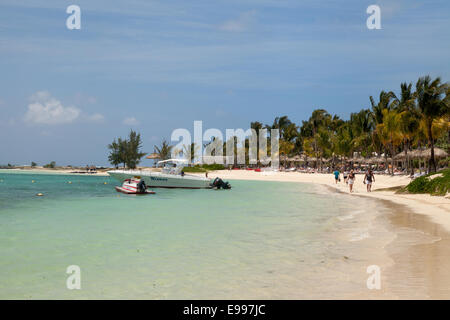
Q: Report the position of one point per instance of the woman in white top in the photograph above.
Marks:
(351, 180)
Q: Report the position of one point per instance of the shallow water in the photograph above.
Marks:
(257, 240)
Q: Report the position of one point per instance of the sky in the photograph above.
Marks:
(155, 66)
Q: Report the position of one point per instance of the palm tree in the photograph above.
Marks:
(409, 117)
(432, 105)
(319, 118)
(323, 139)
(362, 126)
(389, 132)
(385, 102)
(164, 151)
(343, 143)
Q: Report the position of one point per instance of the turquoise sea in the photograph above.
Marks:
(257, 240)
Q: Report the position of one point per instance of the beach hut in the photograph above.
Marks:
(424, 155)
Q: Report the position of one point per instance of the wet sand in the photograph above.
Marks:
(420, 253)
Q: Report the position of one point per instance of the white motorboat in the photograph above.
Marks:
(171, 176)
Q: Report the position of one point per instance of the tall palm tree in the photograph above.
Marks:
(409, 117)
(385, 102)
(432, 105)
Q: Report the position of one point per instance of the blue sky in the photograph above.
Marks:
(155, 66)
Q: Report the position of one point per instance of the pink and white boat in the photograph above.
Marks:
(134, 186)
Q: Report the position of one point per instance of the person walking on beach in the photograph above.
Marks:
(369, 178)
(351, 180)
(345, 174)
(336, 175)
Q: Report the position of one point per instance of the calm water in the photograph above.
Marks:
(257, 240)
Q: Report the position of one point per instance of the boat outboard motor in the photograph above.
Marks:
(141, 186)
(220, 184)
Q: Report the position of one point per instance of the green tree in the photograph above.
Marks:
(116, 154)
(389, 131)
(50, 165)
(132, 148)
(126, 151)
(433, 103)
(409, 117)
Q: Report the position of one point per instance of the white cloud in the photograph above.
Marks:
(45, 109)
(96, 117)
(131, 121)
(240, 24)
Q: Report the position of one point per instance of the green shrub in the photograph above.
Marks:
(204, 168)
(194, 169)
(213, 167)
(435, 186)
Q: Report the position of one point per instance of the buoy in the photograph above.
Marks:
(40, 194)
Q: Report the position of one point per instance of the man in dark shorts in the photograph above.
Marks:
(369, 178)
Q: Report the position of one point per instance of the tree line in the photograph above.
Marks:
(416, 117)
(394, 123)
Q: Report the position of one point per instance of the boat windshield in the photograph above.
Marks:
(172, 166)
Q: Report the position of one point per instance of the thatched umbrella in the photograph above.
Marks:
(375, 160)
(358, 159)
(438, 153)
(400, 156)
